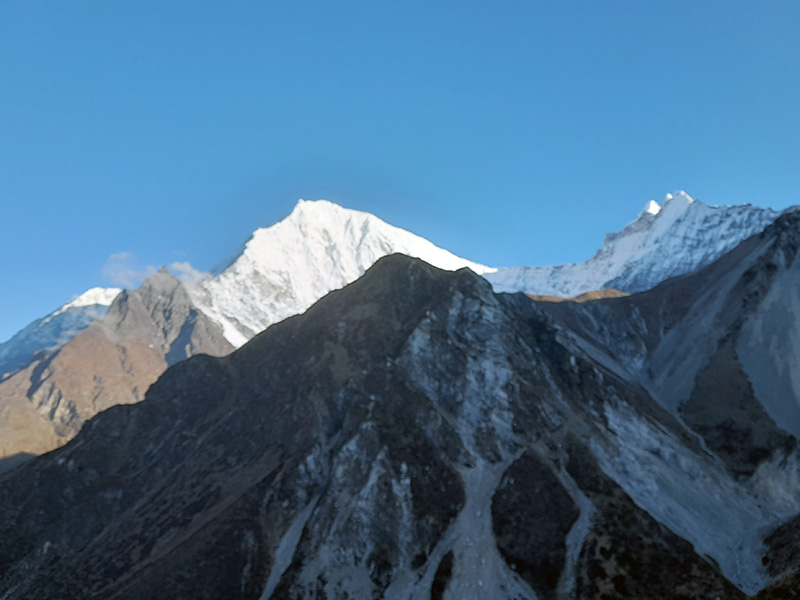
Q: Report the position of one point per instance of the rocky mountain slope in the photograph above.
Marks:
(112, 361)
(414, 435)
(58, 372)
(717, 349)
(677, 237)
(56, 329)
(281, 270)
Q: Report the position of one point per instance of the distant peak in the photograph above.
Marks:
(91, 297)
(161, 280)
(306, 205)
(652, 208)
(162, 273)
(678, 203)
(318, 210)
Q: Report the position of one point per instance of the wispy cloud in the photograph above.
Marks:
(187, 273)
(123, 269)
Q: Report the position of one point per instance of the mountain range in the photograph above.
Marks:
(417, 435)
(665, 240)
(48, 391)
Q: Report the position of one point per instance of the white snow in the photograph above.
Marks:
(94, 296)
(283, 269)
(652, 208)
(681, 235)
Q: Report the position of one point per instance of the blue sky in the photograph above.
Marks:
(509, 133)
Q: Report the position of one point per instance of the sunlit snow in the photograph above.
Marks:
(283, 269)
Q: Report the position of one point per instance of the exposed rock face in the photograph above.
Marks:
(628, 554)
(530, 498)
(113, 361)
(725, 412)
(412, 436)
(54, 330)
(717, 347)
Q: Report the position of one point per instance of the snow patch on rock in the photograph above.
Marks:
(692, 495)
(286, 548)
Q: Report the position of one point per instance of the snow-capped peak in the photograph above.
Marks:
(681, 235)
(94, 296)
(320, 246)
(652, 208)
(283, 269)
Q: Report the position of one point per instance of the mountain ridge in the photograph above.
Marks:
(379, 446)
(113, 360)
(525, 279)
(280, 271)
(663, 241)
(56, 329)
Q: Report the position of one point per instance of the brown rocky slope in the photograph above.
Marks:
(113, 361)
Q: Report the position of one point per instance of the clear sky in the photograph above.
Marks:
(515, 132)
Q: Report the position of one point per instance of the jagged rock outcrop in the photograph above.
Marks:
(412, 435)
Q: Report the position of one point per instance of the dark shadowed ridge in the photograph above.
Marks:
(145, 488)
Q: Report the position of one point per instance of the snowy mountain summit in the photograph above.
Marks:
(283, 269)
(674, 238)
(46, 375)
